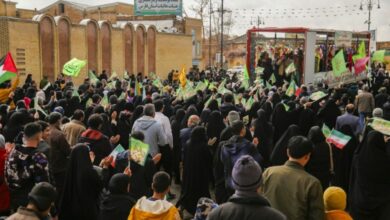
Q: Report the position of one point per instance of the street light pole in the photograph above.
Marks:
(370, 6)
(222, 11)
(211, 9)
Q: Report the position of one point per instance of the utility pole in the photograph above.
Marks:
(210, 35)
(370, 6)
(222, 12)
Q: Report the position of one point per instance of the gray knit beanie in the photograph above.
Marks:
(246, 175)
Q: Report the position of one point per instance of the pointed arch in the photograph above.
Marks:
(46, 35)
(105, 37)
(140, 32)
(64, 31)
(151, 37)
(92, 43)
(128, 36)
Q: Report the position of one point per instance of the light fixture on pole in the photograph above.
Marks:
(370, 6)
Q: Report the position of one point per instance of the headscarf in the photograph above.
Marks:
(264, 133)
(215, 125)
(82, 187)
(279, 154)
(370, 191)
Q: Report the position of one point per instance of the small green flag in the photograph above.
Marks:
(157, 83)
(317, 95)
(92, 77)
(259, 70)
(361, 52)
(292, 88)
(89, 103)
(113, 76)
(338, 64)
(326, 130)
(290, 68)
(249, 103)
(73, 67)
(378, 56)
(211, 86)
(138, 151)
(381, 125)
(221, 87)
(245, 80)
(272, 79)
(104, 101)
(286, 107)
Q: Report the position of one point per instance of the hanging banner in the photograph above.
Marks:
(343, 39)
(158, 7)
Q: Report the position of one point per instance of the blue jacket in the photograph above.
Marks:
(351, 120)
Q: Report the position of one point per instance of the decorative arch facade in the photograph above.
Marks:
(140, 32)
(151, 37)
(105, 35)
(128, 38)
(64, 30)
(92, 45)
(46, 32)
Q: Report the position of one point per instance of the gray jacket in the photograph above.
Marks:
(153, 131)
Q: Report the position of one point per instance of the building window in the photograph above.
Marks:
(61, 8)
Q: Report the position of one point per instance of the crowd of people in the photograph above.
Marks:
(267, 160)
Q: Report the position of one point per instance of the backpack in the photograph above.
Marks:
(231, 153)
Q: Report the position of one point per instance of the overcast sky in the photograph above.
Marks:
(331, 14)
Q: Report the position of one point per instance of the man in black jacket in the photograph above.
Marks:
(246, 203)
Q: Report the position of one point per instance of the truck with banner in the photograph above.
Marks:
(307, 53)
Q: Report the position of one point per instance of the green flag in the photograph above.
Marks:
(152, 76)
(245, 80)
(73, 67)
(290, 68)
(113, 76)
(326, 130)
(201, 86)
(378, 56)
(338, 64)
(221, 87)
(211, 86)
(361, 52)
(249, 103)
(92, 77)
(381, 125)
(138, 151)
(104, 102)
(286, 107)
(292, 88)
(89, 103)
(157, 83)
(272, 79)
(317, 95)
(259, 70)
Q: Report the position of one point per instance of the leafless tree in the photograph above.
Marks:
(200, 8)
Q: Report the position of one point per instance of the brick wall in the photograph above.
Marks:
(25, 48)
(173, 51)
(118, 53)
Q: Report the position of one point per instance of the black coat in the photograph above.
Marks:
(319, 163)
(369, 189)
(115, 206)
(239, 208)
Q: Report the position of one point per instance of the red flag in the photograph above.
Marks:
(360, 65)
(298, 92)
